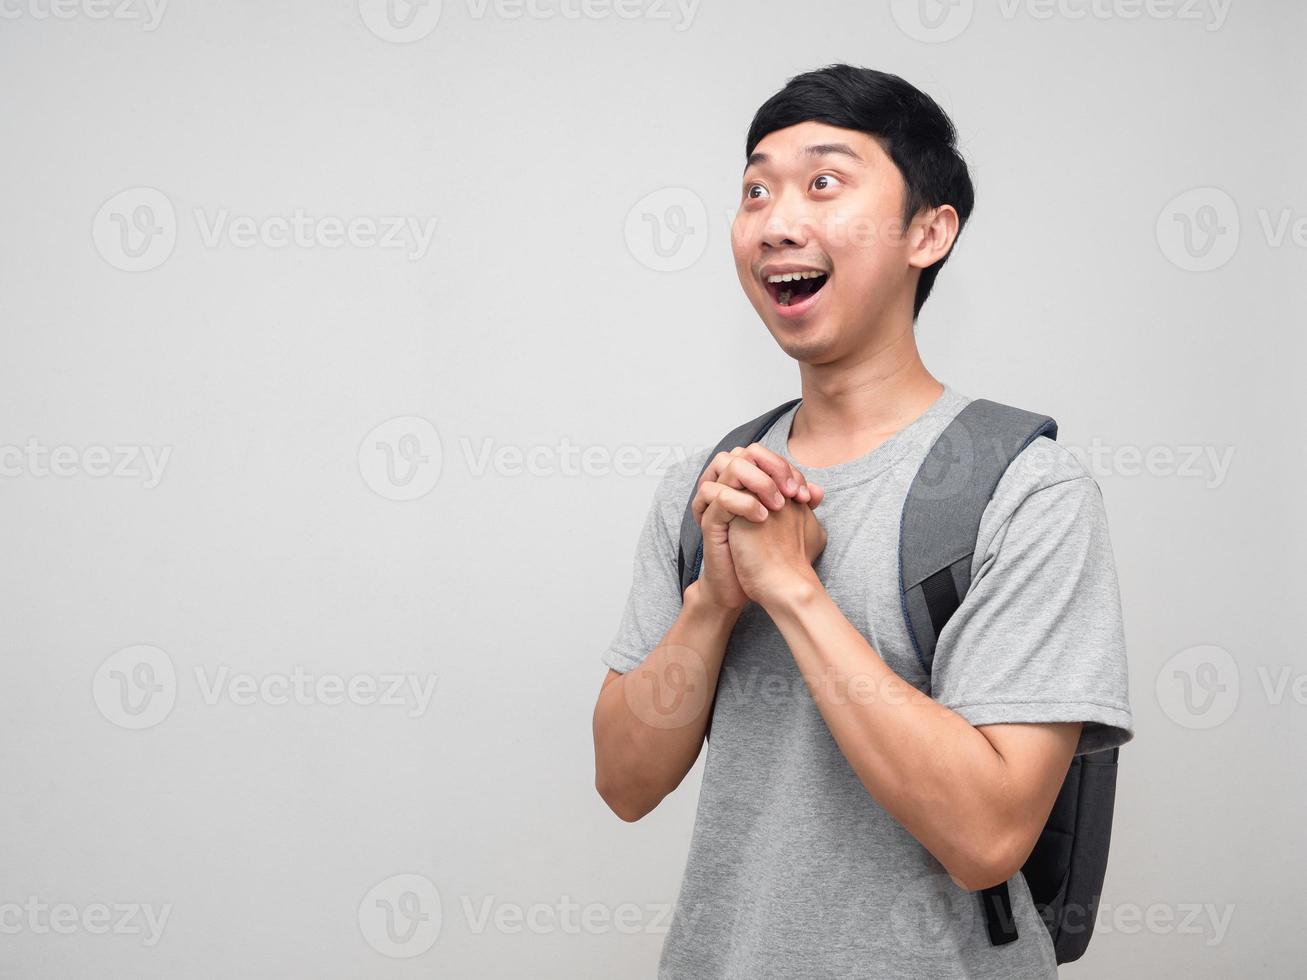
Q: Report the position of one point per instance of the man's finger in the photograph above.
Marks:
(779, 469)
(742, 473)
(787, 478)
(726, 503)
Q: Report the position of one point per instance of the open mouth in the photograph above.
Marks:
(796, 289)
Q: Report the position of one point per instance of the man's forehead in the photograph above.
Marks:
(817, 142)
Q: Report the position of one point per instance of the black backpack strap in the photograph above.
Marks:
(1065, 870)
(691, 535)
(937, 538)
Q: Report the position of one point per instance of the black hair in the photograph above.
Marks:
(911, 127)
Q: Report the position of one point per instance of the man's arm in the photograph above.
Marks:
(975, 797)
(649, 723)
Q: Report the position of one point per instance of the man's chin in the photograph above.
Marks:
(808, 343)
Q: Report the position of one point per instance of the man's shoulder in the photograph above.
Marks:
(1051, 479)
(679, 474)
(1042, 464)
(677, 481)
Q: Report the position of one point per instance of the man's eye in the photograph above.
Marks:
(824, 177)
(748, 191)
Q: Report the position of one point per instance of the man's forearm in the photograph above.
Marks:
(924, 763)
(649, 723)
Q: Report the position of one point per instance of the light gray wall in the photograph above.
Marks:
(290, 523)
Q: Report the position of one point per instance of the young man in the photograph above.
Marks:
(852, 804)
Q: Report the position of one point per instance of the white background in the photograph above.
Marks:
(542, 309)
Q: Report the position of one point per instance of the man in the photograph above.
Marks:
(851, 803)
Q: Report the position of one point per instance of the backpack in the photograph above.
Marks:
(937, 538)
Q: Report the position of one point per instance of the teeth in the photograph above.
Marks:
(791, 276)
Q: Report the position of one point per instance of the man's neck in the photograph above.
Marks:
(851, 408)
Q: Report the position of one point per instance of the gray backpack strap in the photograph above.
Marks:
(691, 536)
(942, 511)
(937, 538)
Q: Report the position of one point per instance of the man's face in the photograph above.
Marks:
(830, 200)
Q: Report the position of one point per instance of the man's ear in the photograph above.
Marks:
(931, 234)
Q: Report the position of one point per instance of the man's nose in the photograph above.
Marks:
(788, 225)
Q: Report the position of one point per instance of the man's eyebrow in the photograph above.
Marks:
(816, 150)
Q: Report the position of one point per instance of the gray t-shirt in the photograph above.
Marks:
(794, 870)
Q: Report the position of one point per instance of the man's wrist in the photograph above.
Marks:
(795, 592)
(702, 606)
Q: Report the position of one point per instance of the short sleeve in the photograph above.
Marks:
(654, 599)
(1039, 636)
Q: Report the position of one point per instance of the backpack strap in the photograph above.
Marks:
(937, 539)
(691, 535)
(942, 511)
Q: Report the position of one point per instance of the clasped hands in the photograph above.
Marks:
(760, 536)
